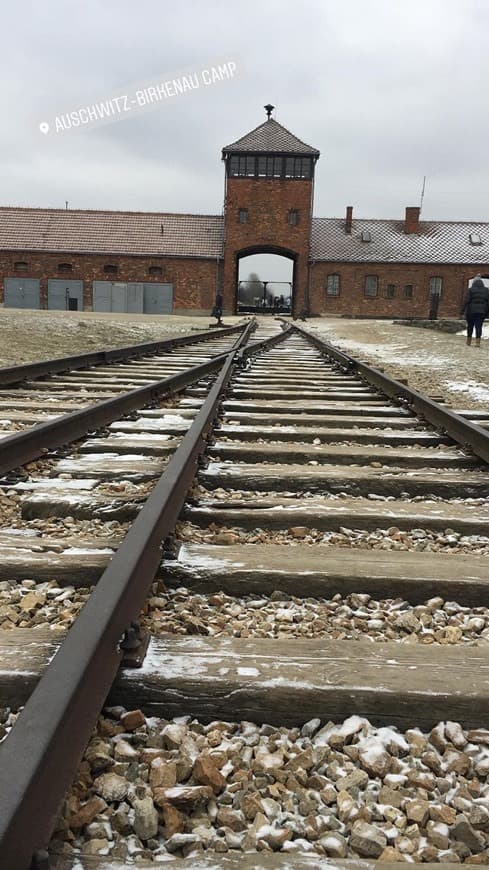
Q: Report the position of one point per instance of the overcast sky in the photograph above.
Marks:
(388, 91)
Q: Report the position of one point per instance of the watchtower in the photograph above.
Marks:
(268, 201)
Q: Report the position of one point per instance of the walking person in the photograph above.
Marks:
(475, 309)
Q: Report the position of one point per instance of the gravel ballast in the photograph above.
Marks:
(152, 788)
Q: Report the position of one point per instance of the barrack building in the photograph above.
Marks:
(163, 263)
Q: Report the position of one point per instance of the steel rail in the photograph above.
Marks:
(469, 435)
(39, 757)
(16, 374)
(34, 442)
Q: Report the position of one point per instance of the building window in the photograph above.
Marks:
(333, 285)
(475, 239)
(435, 286)
(110, 269)
(371, 285)
(298, 167)
(240, 165)
(65, 267)
(391, 291)
(269, 166)
(20, 265)
(408, 291)
(293, 217)
(366, 236)
(243, 216)
(156, 271)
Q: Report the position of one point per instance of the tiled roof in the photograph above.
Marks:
(436, 242)
(110, 232)
(272, 138)
(186, 235)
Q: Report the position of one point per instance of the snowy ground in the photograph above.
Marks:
(27, 336)
(437, 363)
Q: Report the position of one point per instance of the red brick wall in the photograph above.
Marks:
(352, 299)
(268, 202)
(194, 280)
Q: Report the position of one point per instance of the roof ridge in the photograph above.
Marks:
(401, 220)
(54, 209)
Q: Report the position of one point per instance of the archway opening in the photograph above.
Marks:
(265, 283)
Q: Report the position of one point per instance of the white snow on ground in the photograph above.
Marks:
(464, 332)
(433, 362)
(473, 388)
(394, 353)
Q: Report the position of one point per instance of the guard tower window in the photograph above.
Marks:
(241, 166)
(435, 286)
(269, 167)
(371, 285)
(293, 217)
(65, 267)
(155, 271)
(20, 265)
(297, 167)
(110, 269)
(243, 215)
(333, 285)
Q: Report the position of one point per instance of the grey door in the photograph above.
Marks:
(102, 295)
(65, 295)
(135, 298)
(22, 293)
(117, 296)
(158, 298)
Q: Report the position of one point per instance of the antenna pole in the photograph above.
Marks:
(422, 194)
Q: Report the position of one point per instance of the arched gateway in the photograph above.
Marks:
(268, 201)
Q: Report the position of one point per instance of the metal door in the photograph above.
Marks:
(119, 297)
(65, 295)
(158, 298)
(22, 293)
(102, 295)
(135, 298)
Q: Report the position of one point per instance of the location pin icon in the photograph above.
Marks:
(44, 127)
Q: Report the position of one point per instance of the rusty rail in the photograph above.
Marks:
(29, 444)
(39, 757)
(11, 375)
(469, 435)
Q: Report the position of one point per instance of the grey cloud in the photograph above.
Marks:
(388, 92)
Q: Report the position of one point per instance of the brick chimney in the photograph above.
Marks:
(349, 218)
(411, 223)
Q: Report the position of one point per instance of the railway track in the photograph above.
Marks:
(282, 671)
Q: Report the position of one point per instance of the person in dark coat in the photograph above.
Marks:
(217, 310)
(475, 309)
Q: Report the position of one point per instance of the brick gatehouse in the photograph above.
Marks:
(160, 262)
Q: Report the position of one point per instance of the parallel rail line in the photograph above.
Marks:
(288, 443)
